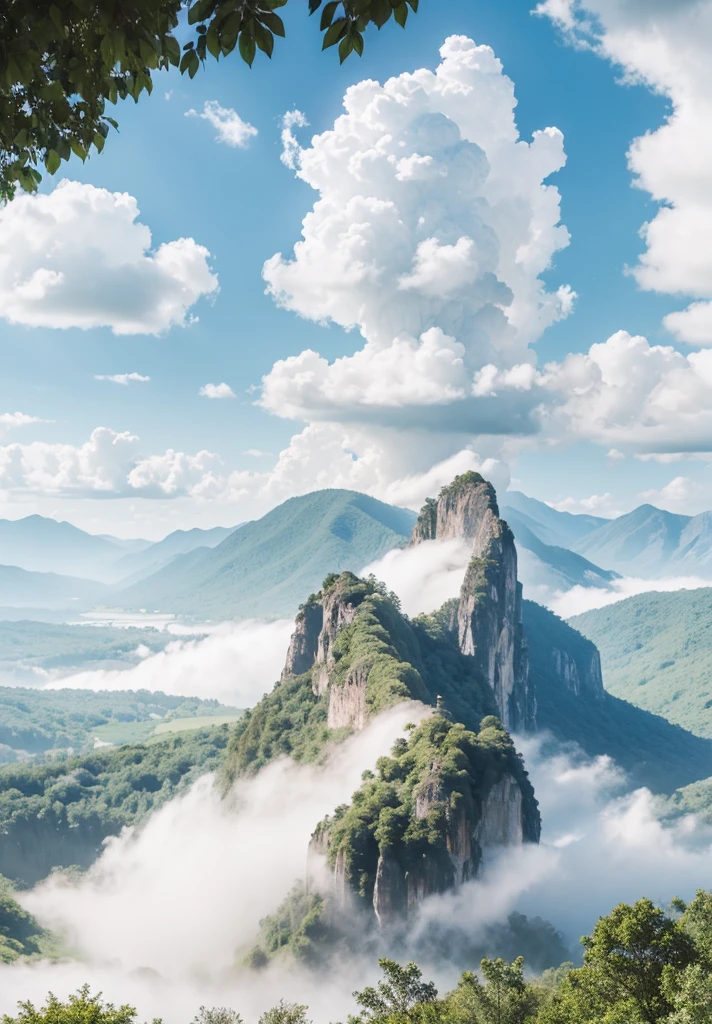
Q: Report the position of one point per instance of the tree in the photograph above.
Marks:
(505, 998)
(397, 997)
(81, 1008)
(62, 61)
(286, 1013)
(217, 1015)
(630, 951)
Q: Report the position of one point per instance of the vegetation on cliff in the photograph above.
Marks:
(400, 659)
(20, 934)
(58, 814)
(409, 811)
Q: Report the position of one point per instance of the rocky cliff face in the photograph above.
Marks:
(489, 612)
(441, 814)
(579, 674)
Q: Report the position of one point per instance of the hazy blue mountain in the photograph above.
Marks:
(551, 566)
(23, 589)
(270, 566)
(656, 651)
(641, 543)
(136, 566)
(45, 545)
(559, 529)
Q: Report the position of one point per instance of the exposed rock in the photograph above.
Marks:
(501, 823)
(347, 703)
(582, 674)
(305, 640)
(489, 614)
(390, 893)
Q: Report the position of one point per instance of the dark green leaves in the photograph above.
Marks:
(61, 63)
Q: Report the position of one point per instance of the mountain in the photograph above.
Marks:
(547, 565)
(45, 545)
(137, 565)
(572, 705)
(559, 529)
(268, 567)
(22, 589)
(641, 543)
(656, 651)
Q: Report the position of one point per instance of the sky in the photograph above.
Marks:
(501, 218)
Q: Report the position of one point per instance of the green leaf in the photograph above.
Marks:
(172, 47)
(414, 5)
(357, 39)
(314, 5)
(199, 11)
(99, 141)
(194, 64)
(185, 60)
(381, 12)
(335, 32)
(400, 13)
(212, 41)
(264, 39)
(345, 47)
(273, 22)
(21, 138)
(247, 47)
(78, 149)
(327, 15)
(53, 160)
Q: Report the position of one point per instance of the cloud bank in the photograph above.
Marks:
(79, 257)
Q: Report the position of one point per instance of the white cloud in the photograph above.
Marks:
(584, 599)
(676, 496)
(13, 420)
(424, 576)
(290, 144)
(594, 504)
(109, 464)
(122, 378)
(256, 453)
(625, 391)
(78, 257)
(431, 230)
(664, 45)
(236, 664)
(229, 126)
(217, 391)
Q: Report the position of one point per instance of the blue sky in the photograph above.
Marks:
(244, 205)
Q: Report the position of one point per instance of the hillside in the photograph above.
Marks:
(58, 814)
(268, 567)
(139, 564)
(654, 752)
(49, 645)
(24, 589)
(656, 652)
(41, 724)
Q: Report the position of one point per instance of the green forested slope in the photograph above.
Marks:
(268, 566)
(59, 645)
(656, 652)
(39, 723)
(58, 814)
(652, 751)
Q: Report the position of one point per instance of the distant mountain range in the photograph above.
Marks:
(38, 544)
(268, 567)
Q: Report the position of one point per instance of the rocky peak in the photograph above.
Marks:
(489, 612)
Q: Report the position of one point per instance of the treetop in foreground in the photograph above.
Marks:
(61, 62)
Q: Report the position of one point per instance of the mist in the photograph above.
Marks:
(424, 576)
(236, 664)
(584, 599)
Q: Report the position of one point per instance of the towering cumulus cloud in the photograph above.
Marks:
(431, 230)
